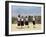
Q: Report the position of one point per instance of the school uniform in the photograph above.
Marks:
(26, 21)
(22, 22)
(33, 21)
(19, 22)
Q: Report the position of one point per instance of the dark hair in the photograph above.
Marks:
(18, 15)
(26, 16)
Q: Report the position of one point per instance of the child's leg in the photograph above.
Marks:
(34, 24)
(18, 24)
(21, 24)
(26, 23)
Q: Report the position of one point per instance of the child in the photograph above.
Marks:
(26, 21)
(19, 22)
(33, 21)
(22, 22)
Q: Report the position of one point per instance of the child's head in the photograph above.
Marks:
(18, 15)
(26, 16)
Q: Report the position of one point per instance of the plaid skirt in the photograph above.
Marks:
(33, 22)
(26, 22)
(19, 23)
(22, 23)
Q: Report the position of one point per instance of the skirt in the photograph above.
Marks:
(33, 22)
(22, 23)
(19, 23)
(26, 22)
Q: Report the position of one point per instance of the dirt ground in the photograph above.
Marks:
(14, 27)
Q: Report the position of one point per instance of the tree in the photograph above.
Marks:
(14, 20)
(30, 18)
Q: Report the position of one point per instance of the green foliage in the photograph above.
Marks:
(30, 18)
(14, 20)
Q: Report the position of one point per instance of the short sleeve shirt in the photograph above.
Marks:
(18, 19)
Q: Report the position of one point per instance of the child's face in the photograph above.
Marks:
(19, 16)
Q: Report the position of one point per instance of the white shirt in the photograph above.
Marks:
(26, 19)
(22, 19)
(19, 19)
(33, 19)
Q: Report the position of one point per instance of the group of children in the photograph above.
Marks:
(24, 21)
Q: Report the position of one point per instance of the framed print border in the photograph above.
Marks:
(7, 17)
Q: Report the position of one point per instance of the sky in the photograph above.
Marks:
(25, 10)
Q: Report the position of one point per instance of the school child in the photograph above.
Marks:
(26, 22)
(18, 19)
(22, 22)
(33, 21)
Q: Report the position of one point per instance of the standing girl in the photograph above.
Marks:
(18, 19)
(33, 21)
(26, 21)
(22, 22)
